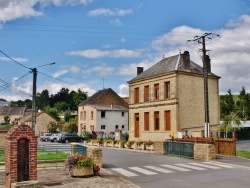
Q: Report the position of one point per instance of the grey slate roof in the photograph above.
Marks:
(109, 107)
(168, 65)
(105, 97)
(12, 110)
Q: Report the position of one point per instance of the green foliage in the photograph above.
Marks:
(52, 155)
(231, 123)
(73, 128)
(126, 136)
(6, 119)
(87, 135)
(52, 127)
(53, 112)
(67, 116)
(87, 161)
(243, 153)
(61, 106)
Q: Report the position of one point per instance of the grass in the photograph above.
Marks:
(243, 153)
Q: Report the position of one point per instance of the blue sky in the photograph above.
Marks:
(98, 44)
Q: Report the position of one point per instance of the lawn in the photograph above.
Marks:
(243, 153)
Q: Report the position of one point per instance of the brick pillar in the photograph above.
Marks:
(14, 135)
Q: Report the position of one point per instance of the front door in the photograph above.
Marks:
(23, 160)
(137, 125)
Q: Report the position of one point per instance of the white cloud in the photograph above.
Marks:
(18, 59)
(74, 69)
(13, 9)
(108, 12)
(101, 70)
(59, 73)
(95, 53)
(116, 21)
(123, 90)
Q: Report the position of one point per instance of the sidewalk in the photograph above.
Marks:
(57, 178)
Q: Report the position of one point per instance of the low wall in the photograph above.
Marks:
(204, 152)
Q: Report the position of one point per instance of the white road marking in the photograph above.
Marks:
(159, 169)
(190, 166)
(219, 164)
(124, 172)
(176, 168)
(205, 165)
(143, 171)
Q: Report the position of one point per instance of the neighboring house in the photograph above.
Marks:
(168, 99)
(15, 113)
(4, 103)
(105, 111)
(42, 121)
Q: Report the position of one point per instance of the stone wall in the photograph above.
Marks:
(160, 147)
(204, 152)
(96, 154)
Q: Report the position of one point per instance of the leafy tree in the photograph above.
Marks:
(61, 106)
(243, 104)
(42, 99)
(53, 112)
(67, 116)
(227, 104)
(52, 127)
(6, 119)
(79, 97)
(73, 128)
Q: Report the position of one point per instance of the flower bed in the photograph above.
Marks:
(81, 165)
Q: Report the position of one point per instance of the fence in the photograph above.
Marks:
(223, 146)
(180, 149)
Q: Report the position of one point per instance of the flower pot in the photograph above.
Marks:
(78, 171)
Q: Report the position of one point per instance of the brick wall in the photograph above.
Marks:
(11, 150)
(204, 152)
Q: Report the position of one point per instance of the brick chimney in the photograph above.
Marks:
(186, 60)
(139, 70)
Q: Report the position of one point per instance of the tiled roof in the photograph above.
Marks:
(168, 65)
(12, 110)
(105, 97)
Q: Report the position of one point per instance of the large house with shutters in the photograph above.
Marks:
(168, 99)
(104, 112)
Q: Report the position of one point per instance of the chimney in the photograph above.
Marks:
(186, 60)
(139, 70)
(208, 61)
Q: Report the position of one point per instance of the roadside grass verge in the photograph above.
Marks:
(243, 153)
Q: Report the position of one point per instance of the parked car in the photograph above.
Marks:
(70, 137)
(44, 137)
(54, 137)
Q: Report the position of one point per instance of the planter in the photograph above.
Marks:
(78, 171)
(142, 147)
(151, 147)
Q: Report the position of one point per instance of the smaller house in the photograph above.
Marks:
(42, 121)
(14, 113)
(104, 112)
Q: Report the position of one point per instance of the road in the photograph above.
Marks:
(150, 170)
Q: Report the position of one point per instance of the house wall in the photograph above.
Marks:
(162, 104)
(41, 123)
(191, 102)
(85, 123)
(112, 118)
(186, 105)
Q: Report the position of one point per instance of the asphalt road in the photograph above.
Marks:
(157, 171)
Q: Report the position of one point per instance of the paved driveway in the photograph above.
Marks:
(243, 145)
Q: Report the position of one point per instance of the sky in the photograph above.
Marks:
(98, 44)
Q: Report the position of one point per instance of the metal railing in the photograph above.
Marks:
(180, 149)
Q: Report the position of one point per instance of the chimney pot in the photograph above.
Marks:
(139, 70)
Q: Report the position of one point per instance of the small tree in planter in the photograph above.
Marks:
(141, 145)
(149, 145)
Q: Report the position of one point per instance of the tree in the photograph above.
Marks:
(242, 104)
(61, 106)
(52, 127)
(53, 112)
(6, 119)
(67, 116)
(227, 104)
(79, 97)
(73, 128)
(42, 99)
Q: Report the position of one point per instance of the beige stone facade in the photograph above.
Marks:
(175, 102)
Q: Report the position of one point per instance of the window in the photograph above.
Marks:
(157, 120)
(84, 115)
(123, 113)
(156, 91)
(146, 121)
(103, 127)
(92, 127)
(123, 126)
(92, 115)
(146, 93)
(167, 90)
(167, 121)
(117, 127)
(103, 113)
(136, 95)
(81, 115)
(83, 108)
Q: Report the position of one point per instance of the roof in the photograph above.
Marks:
(28, 118)
(12, 110)
(171, 64)
(105, 97)
(109, 107)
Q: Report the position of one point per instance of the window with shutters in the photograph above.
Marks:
(167, 90)
(146, 121)
(156, 120)
(146, 93)
(136, 95)
(156, 92)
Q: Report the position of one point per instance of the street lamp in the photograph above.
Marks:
(34, 71)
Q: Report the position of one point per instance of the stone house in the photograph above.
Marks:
(14, 113)
(104, 112)
(168, 99)
(42, 121)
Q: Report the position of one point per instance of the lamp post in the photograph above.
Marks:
(34, 71)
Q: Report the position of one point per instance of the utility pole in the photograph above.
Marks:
(34, 71)
(202, 40)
